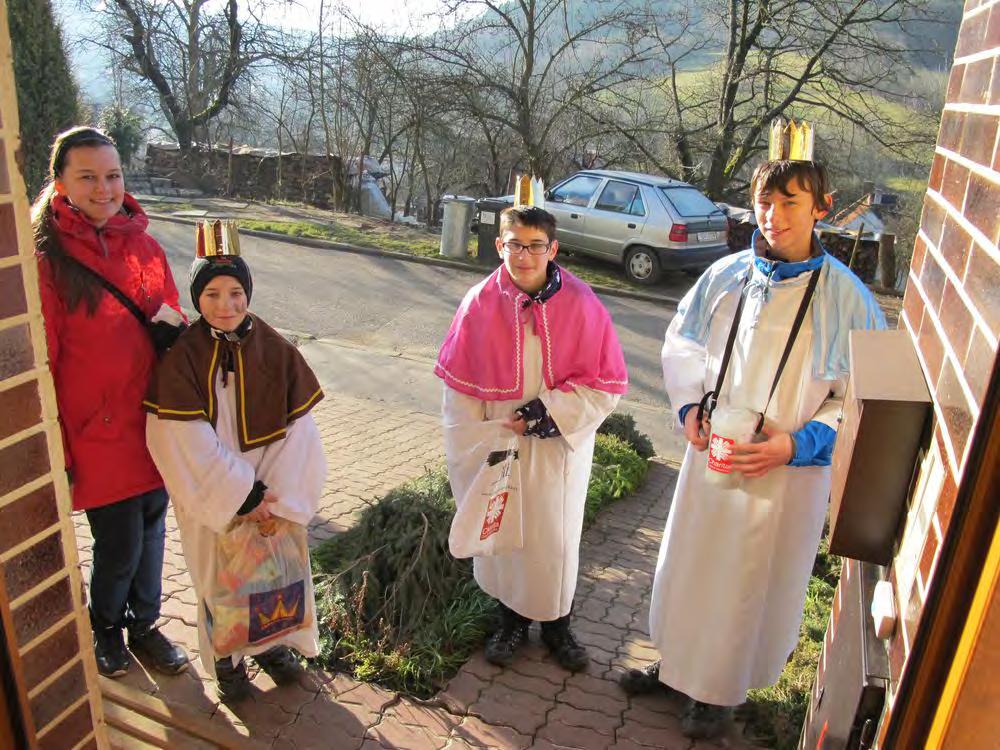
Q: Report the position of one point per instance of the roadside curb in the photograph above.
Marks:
(374, 251)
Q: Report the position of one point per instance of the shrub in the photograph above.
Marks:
(395, 607)
(623, 426)
(125, 129)
(618, 471)
(46, 92)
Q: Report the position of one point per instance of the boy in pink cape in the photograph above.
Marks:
(533, 349)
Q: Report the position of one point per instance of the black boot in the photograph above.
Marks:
(703, 721)
(109, 649)
(562, 644)
(643, 681)
(231, 683)
(280, 664)
(154, 648)
(513, 634)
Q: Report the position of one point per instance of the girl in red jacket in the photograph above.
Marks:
(101, 356)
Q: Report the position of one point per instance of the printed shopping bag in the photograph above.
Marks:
(262, 589)
(488, 517)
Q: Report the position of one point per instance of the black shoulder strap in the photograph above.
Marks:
(114, 291)
(710, 399)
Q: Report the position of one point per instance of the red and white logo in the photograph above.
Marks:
(720, 454)
(494, 515)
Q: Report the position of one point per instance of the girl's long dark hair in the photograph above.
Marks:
(73, 285)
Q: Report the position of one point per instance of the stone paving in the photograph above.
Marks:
(372, 447)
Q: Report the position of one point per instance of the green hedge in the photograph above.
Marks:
(395, 607)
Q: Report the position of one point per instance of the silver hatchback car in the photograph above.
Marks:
(647, 223)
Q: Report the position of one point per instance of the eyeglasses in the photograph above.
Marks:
(512, 247)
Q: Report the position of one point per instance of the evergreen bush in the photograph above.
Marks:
(623, 426)
(125, 128)
(46, 91)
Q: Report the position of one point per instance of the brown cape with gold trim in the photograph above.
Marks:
(274, 385)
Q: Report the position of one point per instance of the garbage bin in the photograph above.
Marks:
(458, 212)
(489, 229)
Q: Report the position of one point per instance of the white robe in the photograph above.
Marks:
(208, 479)
(539, 580)
(734, 565)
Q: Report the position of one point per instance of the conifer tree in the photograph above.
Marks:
(46, 91)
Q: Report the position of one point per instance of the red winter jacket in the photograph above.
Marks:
(102, 363)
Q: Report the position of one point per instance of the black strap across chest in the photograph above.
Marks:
(710, 399)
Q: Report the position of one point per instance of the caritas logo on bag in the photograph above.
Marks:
(494, 516)
(720, 454)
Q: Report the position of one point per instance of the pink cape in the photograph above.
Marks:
(482, 355)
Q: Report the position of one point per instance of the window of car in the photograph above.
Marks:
(622, 198)
(576, 191)
(689, 201)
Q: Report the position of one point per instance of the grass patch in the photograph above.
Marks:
(774, 715)
(394, 606)
(397, 239)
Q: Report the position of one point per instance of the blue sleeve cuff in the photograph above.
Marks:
(683, 411)
(813, 445)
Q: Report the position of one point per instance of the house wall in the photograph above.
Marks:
(951, 309)
(45, 628)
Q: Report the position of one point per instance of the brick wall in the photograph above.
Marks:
(952, 305)
(45, 629)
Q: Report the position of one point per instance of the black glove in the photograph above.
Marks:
(164, 335)
(255, 498)
(540, 422)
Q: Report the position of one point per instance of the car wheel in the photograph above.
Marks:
(642, 265)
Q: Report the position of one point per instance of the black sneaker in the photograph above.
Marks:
(232, 684)
(563, 646)
(703, 721)
(643, 681)
(155, 649)
(502, 645)
(109, 649)
(281, 665)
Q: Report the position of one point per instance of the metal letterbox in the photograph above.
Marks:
(885, 414)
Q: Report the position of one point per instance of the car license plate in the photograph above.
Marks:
(707, 236)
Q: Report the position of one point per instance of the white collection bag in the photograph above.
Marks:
(487, 518)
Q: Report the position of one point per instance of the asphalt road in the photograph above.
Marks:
(378, 322)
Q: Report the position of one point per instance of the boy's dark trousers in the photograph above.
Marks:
(127, 572)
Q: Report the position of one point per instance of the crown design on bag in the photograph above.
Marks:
(217, 238)
(280, 613)
(790, 141)
(529, 191)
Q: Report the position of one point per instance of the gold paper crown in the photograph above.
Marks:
(791, 141)
(529, 191)
(219, 237)
(280, 613)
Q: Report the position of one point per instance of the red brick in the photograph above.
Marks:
(976, 82)
(932, 280)
(979, 137)
(12, 299)
(993, 29)
(981, 202)
(913, 307)
(950, 135)
(956, 320)
(928, 555)
(16, 354)
(951, 399)
(917, 257)
(932, 220)
(937, 172)
(45, 658)
(971, 36)
(8, 231)
(4, 178)
(947, 496)
(28, 568)
(980, 360)
(982, 282)
(58, 696)
(27, 516)
(42, 611)
(954, 183)
(954, 246)
(930, 347)
(70, 731)
(20, 408)
(897, 656)
(22, 462)
(955, 83)
(995, 84)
